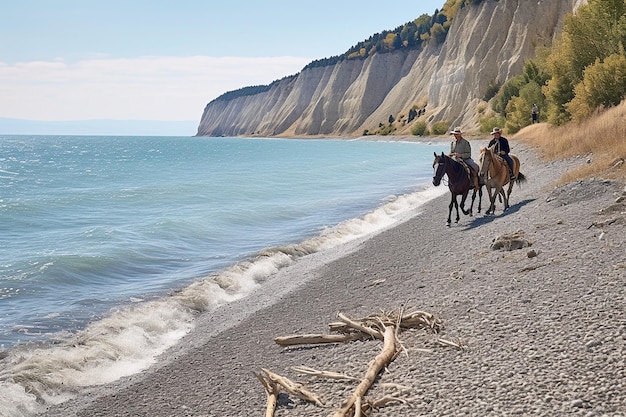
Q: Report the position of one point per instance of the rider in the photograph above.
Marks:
(460, 148)
(502, 148)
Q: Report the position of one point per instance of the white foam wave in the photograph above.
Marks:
(130, 339)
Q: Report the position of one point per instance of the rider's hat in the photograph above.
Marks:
(496, 130)
(456, 131)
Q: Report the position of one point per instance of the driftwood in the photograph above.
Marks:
(271, 388)
(384, 326)
(376, 334)
(382, 360)
(456, 344)
(313, 339)
(323, 374)
(293, 388)
(422, 319)
(351, 330)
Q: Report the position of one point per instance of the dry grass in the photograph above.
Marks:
(601, 139)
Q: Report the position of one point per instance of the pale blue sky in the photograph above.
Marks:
(165, 60)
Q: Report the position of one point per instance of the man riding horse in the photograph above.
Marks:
(502, 148)
(461, 149)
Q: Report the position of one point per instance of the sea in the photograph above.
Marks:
(112, 246)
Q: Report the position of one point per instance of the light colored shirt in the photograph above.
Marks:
(462, 147)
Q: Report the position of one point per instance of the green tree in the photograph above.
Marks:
(492, 90)
(438, 33)
(596, 31)
(534, 72)
(407, 34)
(489, 122)
(603, 85)
(509, 89)
(519, 108)
(559, 90)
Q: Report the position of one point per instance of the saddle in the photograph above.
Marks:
(506, 164)
(473, 180)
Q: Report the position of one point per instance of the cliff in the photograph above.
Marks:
(486, 43)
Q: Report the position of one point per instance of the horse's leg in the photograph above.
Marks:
(508, 193)
(492, 201)
(465, 194)
(505, 198)
(452, 201)
(501, 193)
(480, 198)
(471, 209)
(456, 205)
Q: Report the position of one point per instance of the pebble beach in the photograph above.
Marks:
(538, 327)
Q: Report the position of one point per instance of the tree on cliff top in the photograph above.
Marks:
(412, 34)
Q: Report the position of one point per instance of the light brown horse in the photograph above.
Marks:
(495, 172)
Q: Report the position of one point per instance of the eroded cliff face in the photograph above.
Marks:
(486, 43)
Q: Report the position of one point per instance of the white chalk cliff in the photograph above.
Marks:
(486, 43)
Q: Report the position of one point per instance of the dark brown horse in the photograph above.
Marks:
(459, 183)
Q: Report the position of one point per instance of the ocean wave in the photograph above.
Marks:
(130, 338)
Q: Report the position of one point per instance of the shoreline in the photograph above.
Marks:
(534, 343)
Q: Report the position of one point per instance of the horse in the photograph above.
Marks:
(495, 173)
(459, 183)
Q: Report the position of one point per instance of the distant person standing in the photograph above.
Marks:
(535, 114)
(501, 147)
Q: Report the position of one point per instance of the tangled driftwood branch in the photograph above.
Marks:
(381, 361)
(271, 388)
(271, 381)
(384, 326)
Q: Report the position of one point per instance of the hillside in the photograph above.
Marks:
(486, 44)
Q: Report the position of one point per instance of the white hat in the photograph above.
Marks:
(456, 131)
(496, 130)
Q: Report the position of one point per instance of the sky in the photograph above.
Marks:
(164, 60)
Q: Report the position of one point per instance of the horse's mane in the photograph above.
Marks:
(456, 165)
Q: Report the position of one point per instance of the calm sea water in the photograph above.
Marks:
(97, 232)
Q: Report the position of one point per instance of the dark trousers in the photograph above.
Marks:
(508, 160)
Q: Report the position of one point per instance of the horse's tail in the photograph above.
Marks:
(521, 178)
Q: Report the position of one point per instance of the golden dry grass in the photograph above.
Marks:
(601, 139)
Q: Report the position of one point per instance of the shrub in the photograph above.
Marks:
(518, 110)
(492, 90)
(516, 115)
(419, 128)
(489, 122)
(509, 89)
(440, 128)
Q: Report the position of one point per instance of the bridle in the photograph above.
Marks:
(441, 167)
(492, 159)
(484, 170)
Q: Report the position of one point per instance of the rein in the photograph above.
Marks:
(449, 181)
(492, 163)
